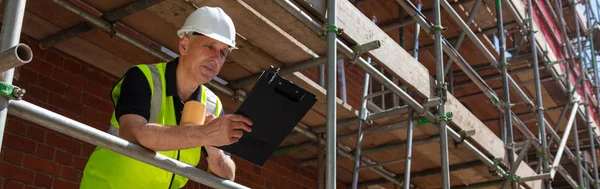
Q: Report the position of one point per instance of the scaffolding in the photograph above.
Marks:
(421, 99)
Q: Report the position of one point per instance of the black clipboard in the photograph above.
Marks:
(275, 106)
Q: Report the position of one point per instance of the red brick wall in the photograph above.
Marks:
(35, 157)
(354, 82)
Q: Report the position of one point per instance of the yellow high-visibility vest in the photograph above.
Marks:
(109, 170)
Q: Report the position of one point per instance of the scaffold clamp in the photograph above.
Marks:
(11, 91)
(359, 49)
(447, 117)
(330, 27)
(438, 28)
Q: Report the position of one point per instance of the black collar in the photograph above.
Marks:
(171, 79)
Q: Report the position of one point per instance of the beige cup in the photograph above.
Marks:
(194, 112)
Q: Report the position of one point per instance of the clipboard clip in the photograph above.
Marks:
(274, 73)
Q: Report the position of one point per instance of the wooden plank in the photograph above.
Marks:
(40, 28)
(52, 12)
(255, 28)
(159, 31)
(95, 56)
(289, 24)
(400, 63)
(118, 47)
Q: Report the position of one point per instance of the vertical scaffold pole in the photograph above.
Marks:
(442, 93)
(505, 89)
(332, 31)
(10, 37)
(538, 92)
(587, 102)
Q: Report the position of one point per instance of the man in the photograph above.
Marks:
(149, 100)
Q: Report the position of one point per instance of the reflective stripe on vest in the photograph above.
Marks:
(107, 169)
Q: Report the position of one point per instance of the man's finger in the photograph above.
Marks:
(237, 133)
(242, 126)
(241, 118)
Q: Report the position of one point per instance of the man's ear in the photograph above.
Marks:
(183, 44)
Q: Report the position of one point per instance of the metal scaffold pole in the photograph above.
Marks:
(587, 102)
(9, 37)
(359, 133)
(572, 59)
(417, 31)
(409, 132)
(508, 130)
(332, 32)
(538, 91)
(441, 92)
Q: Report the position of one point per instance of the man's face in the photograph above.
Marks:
(202, 57)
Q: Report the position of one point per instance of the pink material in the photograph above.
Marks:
(552, 33)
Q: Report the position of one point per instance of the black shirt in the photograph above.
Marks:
(136, 93)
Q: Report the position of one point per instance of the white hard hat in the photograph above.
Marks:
(211, 22)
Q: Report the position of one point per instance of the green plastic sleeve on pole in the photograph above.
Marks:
(7, 90)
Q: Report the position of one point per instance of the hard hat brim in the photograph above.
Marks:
(212, 35)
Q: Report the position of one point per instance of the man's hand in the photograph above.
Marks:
(225, 130)
(218, 162)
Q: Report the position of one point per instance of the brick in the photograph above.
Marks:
(94, 88)
(45, 151)
(72, 66)
(293, 185)
(72, 107)
(63, 184)
(18, 142)
(269, 185)
(87, 149)
(12, 156)
(73, 94)
(25, 76)
(255, 179)
(282, 181)
(37, 92)
(43, 180)
(90, 114)
(54, 58)
(39, 66)
(269, 175)
(32, 187)
(64, 158)
(52, 84)
(104, 117)
(79, 162)
(36, 133)
(240, 174)
(69, 78)
(100, 104)
(42, 165)
(284, 172)
(71, 174)
(257, 170)
(10, 184)
(63, 142)
(21, 174)
(95, 75)
(243, 164)
(17, 128)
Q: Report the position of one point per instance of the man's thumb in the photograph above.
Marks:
(209, 118)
